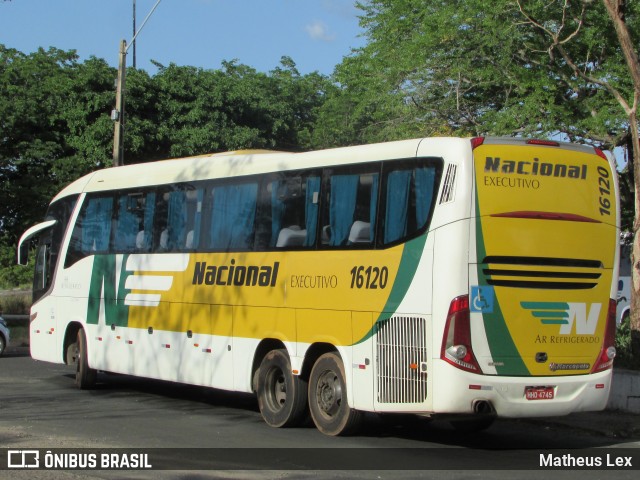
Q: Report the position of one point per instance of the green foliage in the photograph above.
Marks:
(55, 123)
(625, 340)
(11, 274)
(469, 67)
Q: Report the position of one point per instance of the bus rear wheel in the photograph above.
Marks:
(282, 396)
(328, 404)
(85, 375)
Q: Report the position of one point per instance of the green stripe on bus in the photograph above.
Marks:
(411, 254)
(501, 343)
(545, 305)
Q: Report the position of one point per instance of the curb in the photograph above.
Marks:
(625, 391)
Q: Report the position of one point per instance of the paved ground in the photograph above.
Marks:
(609, 423)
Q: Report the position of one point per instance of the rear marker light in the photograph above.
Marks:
(480, 387)
(599, 386)
(601, 154)
(545, 143)
(476, 142)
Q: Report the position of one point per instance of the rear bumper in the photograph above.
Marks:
(456, 391)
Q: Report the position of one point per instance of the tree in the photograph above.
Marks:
(592, 43)
(55, 123)
(474, 67)
(501, 67)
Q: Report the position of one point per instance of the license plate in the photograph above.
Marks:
(539, 393)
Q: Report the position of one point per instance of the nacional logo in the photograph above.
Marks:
(122, 281)
(578, 318)
(535, 168)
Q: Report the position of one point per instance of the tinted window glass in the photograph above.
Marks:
(294, 200)
(409, 195)
(178, 219)
(233, 214)
(351, 200)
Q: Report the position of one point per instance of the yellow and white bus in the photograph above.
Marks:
(469, 278)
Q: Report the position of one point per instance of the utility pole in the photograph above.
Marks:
(117, 115)
(134, 33)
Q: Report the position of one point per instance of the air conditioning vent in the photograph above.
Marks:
(401, 360)
(542, 272)
(449, 181)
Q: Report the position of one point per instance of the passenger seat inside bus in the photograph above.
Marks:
(360, 232)
(292, 236)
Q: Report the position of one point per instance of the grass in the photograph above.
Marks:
(16, 302)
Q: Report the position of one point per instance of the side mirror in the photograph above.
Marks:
(23, 253)
(23, 244)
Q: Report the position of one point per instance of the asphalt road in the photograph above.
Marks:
(217, 434)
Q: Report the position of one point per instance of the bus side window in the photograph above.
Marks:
(178, 219)
(409, 198)
(233, 214)
(349, 217)
(294, 210)
(92, 230)
(134, 222)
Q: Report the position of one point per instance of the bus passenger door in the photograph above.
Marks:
(43, 324)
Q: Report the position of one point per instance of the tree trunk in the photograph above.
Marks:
(635, 255)
(616, 10)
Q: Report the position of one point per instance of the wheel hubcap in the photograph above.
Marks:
(329, 393)
(278, 390)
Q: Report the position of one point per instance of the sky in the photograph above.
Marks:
(316, 34)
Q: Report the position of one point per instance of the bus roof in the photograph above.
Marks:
(232, 164)
(251, 162)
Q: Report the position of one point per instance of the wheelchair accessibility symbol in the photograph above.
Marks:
(481, 299)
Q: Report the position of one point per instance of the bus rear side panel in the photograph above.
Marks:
(542, 269)
(545, 257)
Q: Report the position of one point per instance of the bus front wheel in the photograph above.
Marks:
(282, 396)
(85, 376)
(328, 404)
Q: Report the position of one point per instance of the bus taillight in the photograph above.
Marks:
(608, 351)
(476, 142)
(456, 344)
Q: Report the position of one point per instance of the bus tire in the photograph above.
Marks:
(85, 375)
(328, 404)
(282, 396)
